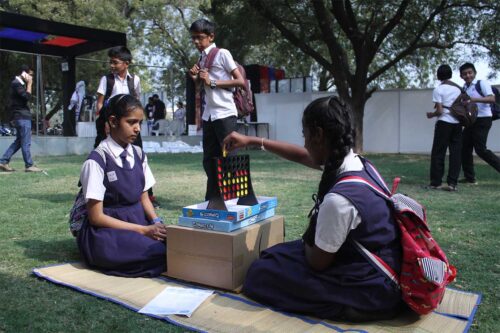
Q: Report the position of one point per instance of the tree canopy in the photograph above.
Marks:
(362, 43)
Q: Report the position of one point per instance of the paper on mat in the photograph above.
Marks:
(174, 300)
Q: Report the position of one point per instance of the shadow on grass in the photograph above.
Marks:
(58, 250)
(167, 204)
(52, 197)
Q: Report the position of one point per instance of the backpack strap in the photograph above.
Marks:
(131, 86)
(210, 58)
(375, 260)
(478, 88)
(453, 84)
(110, 83)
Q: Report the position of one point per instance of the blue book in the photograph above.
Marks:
(234, 213)
(221, 225)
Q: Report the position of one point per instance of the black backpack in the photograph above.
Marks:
(462, 108)
(495, 107)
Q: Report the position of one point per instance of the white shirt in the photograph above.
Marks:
(484, 109)
(121, 86)
(219, 102)
(337, 216)
(92, 175)
(446, 95)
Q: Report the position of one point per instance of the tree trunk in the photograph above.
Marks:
(358, 111)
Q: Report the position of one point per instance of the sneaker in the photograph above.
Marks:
(450, 188)
(154, 202)
(432, 187)
(33, 169)
(468, 181)
(6, 168)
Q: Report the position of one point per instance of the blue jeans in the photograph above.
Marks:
(23, 142)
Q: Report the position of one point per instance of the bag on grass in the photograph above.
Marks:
(495, 107)
(462, 108)
(425, 270)
(242, 96)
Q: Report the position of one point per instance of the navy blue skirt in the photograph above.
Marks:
(282, 279)
(122, 252)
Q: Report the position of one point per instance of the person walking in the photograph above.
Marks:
(20, 94)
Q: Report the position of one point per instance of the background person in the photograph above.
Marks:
(447, 132)
(19, 96)
(476, 135)
(218, 108)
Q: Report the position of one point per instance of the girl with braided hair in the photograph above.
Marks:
(323, 274)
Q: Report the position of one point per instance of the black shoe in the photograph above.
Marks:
(468, 181)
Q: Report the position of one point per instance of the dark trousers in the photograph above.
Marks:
(446, 136)
(214, 133)
(475, 137)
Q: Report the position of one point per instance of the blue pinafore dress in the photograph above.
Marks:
(115, 251)
(283, 279)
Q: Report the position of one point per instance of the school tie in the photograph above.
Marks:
(125, 163)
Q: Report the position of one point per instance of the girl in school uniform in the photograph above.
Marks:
(323, 274)
(123, 235)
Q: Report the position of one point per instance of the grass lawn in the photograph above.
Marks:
(34, 233)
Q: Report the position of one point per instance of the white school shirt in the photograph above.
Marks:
(337, 216)
(446, 95)
(483, 109)
(121, 86)
(92, 175)
(219, 102)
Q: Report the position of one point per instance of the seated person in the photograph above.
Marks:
(123, 235)
(324, 275)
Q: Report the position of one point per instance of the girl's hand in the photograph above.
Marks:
(235, 140)
(156, 231)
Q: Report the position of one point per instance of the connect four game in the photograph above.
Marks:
(233, 179)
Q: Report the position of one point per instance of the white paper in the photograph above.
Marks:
(174, 300)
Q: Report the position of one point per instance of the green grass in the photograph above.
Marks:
(34, 233)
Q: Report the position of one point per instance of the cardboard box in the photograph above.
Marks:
(234, 212)
(219, 259)
(222, 225)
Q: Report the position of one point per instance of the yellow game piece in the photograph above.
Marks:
(224, 183)
(224, 152)
(229, 175)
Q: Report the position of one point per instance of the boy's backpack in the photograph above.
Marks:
(425, 270)
(78, 213)
(243, 97)
(495, 107)
(462, 108)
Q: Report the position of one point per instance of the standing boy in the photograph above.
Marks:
(218, 108)
(447, 132)
(476, 135)
(20, 94)
(119, 81)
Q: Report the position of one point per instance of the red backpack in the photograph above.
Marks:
(425, 270)
(243, 97)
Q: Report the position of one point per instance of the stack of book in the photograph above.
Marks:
(237, 216)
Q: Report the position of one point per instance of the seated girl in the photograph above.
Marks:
(123, 235)
(323, 274)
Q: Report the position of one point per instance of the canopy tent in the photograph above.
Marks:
(33, 35)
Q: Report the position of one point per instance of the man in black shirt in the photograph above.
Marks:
(160, 111)
(20, 94)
